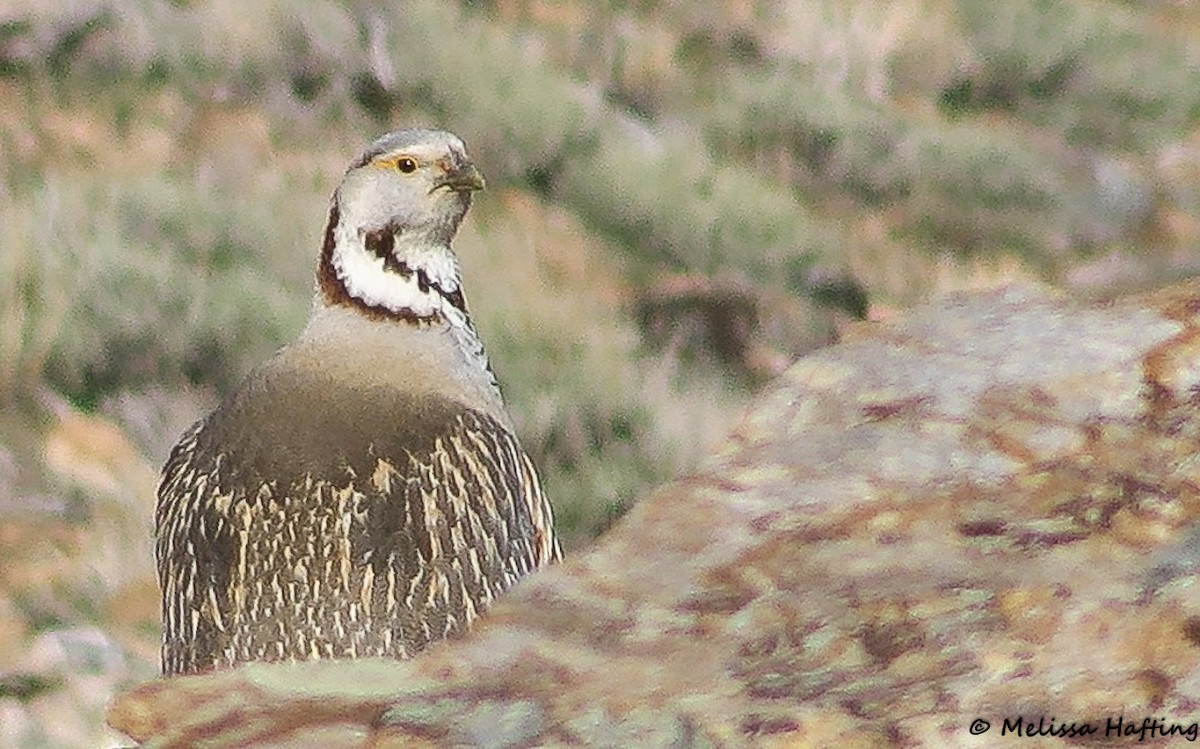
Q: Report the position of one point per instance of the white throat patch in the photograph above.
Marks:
(367, 277)
(405, 288)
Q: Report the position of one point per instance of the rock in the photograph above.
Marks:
(980, 516)
(70, 560)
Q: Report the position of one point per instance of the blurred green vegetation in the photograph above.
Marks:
(164, 169)
(683, 198)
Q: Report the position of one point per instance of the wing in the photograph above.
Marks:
(457, 524)
(339, 548)
(193, 544)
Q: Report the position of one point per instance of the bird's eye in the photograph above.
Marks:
(406, 165)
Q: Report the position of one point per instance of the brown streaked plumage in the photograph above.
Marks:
(362, 492)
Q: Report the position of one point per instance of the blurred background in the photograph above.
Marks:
(683, 198)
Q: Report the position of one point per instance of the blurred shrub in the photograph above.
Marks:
(767, 146)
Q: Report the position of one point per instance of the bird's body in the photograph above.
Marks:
(362, 492)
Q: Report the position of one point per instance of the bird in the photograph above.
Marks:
(362, 492)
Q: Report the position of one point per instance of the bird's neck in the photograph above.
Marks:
(387, 273)
(405, 285)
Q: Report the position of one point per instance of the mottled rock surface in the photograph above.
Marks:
(985, 509)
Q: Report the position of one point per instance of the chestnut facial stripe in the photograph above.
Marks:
(330, 286)
(333, 288)
(380, 243)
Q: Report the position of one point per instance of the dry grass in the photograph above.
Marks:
(165, 167)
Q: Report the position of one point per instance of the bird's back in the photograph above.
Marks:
(302, 522)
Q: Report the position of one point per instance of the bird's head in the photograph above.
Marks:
(387, 244)
(415, 181)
